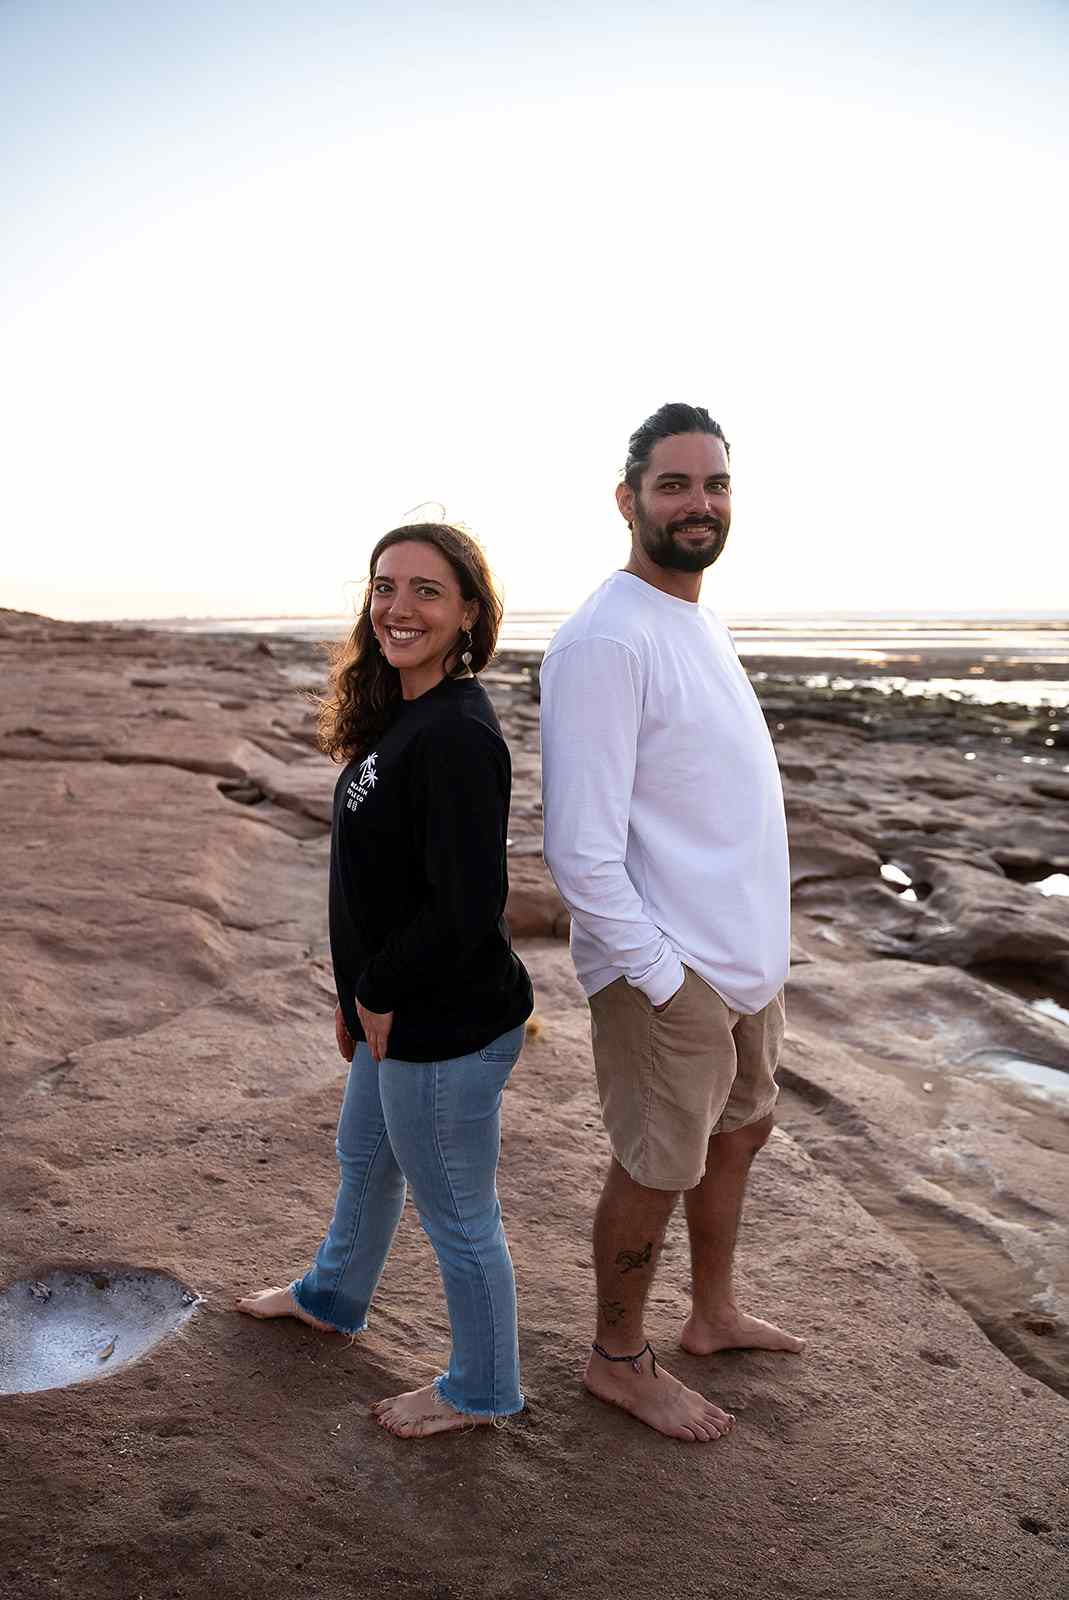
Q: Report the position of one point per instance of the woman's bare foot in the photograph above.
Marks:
(421, 1412)
(657, 1399)
(704, 1336)
(278, 1303)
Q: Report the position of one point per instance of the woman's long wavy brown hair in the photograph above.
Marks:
(364, 691)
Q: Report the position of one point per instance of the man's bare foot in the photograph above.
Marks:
(704, 1336)
(278, 1303)
(421, 1412)
(657, 1399)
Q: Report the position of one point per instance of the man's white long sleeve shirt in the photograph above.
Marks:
(664, 824)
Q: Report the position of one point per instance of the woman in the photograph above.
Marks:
(431, 999)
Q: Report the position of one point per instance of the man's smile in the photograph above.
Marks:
(695, 527)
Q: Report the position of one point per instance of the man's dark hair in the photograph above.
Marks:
(669, 420)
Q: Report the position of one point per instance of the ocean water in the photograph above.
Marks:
(852, 636)
(521, 630)
(875, 640)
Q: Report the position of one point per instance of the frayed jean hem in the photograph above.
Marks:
(295, 1288)
(472, 1411)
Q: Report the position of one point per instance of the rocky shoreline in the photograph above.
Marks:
(170, 1092)
(920, 830)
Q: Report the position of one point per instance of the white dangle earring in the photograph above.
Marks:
(465, 654)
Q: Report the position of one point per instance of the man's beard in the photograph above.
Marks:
(664, 550)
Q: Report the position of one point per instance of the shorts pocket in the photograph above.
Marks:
(670, 1003)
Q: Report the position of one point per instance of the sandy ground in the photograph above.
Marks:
(170, 1089)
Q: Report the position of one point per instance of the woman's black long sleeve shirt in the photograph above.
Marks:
(418, 880)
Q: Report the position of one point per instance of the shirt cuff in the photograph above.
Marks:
(371, 997)
(662, 981)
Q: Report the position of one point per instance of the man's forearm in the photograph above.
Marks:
(604, 902)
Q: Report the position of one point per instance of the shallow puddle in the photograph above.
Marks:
(70, 1326)
(1044, 996)
(1051, 1008)
(1050, 1081)
(900, 880)
(1036, 693)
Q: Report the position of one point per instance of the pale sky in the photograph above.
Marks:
(274, 274)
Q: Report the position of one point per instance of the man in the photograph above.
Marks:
(665, 833)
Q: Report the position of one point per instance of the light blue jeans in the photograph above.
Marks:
(436, 1124)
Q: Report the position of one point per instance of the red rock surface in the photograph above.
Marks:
(170, 1088)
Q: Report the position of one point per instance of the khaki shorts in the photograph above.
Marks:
(670, 1079)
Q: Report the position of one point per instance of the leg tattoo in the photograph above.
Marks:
(629, 1260)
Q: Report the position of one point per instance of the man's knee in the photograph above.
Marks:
(749, 1140)
(619, 1183)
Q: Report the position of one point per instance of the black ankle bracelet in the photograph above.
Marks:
(636, 1361)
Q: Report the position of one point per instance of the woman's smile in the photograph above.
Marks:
(418, 613)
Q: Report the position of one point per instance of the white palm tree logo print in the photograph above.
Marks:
(361, 787)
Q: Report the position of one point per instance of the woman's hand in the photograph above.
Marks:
(343, 1036)
(376, 1026)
